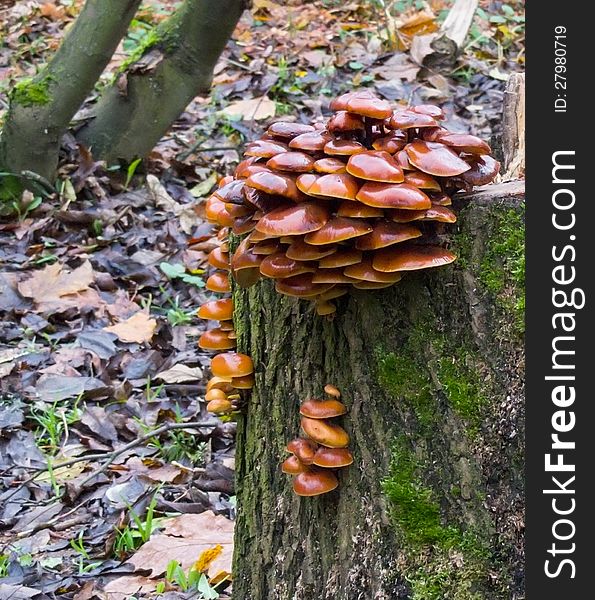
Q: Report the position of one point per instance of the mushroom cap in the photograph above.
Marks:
(393, 142)
(226, 324)
(358, 210)
(393, 195)
(429, 109)
(322, 409)
(372, 285)
(219, 405)
(325, 433)
(422, 180)
(337, 185)
(245, 382)
(305, 180)
(303, 448)
(314, 482)
(435, 158)
(386, 233)
(279, 266)
(231, 192)
(215, 393)
(338, 229)
(244, 258)
(293, 465)
(301, 286)
(275, 184)
(342, 258)
(295, 220)
(332, 390)
(364, 271)
(345, 121)
(483, 170)
(231, 364)
(243, 225)
(362, 102)
(441, 214)
(399, 215)
(441, 199)
(295, 162)
(247, 277)
(310, 142)
(267, 247)
(375, 165)
(219, 383)
(324, 308)
(408, 119)
(216, 339)
(330, 165)
(251, 161)
(286, 130)
(217, 310)
(336, 147)
(333, 458)
(300, 250)
(218, 282)
(330, 276)
(219, 259)
(215, 212)
(464, 142)
(408, 257)
(264, 148)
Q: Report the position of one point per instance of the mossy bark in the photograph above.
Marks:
(134, 113)
(41, 108)
(432, 373)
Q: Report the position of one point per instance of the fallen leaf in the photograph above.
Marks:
(53, 388)
(96, 419)
(55, 288)
(253, 109)
(180, 373)
(138, 328)
(184, 212)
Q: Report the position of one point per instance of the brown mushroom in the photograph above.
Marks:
(375, 165)
(322, 409)
(216, 310)
(218, 282)
(338, 185)
(342, 121)
(286, 130)
(216, 339)
(274, 183)
(362, 102)
(245, 382)
(408, 257)
(386, 233)
(483, 170)
(332, 390)
(391, 143)
(279, 266)
(325, 433)
(310, 142)
(295, 162)
(366, 272)
(393, 195)
(231, 364)
(358, 210)
(301, 286)
(314, 482)
(435, 158)
(300, 250)
(429, 109)
(264, 148)
(329, 165)
(296, 220)
(304, 449)
(220, 405)
(338, 229)
(408, 119)
(464, 142)
(343, 147)
(422, 180)
(441, 214)
(293, 465)
(333, 458)
(219, 259)
(342, 258)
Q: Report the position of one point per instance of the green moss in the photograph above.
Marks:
(32, 91)
(502, 270)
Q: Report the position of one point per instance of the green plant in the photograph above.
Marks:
(130, 171)
(4, 562)
(178, 271)
(53, 422)
(134, 535)
(78, 544)
(190, 580)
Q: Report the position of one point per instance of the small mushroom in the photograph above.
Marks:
(300, 250)
(337, 147)
(216, 339)
(364, 271)
(441, 214)
(343, 121)
(411, 258)
(422, 180)
(386, 233)
(295, 162)
(333, 458)
(332, 390)
(279, 266)
(218, 282)
(216, 310)
(219, 259)
(358, 210)
(375, 166)
(325, 433)
(293, 465)
(274, 183)
(408, 119)
(231, 364)
(338, 185)
(219, 406)
(464, 142)
(296, 220)
(338, 229)
(215, 394)
(435, 158)
(314, 141)
(362, 102)
(483, 170)
(245, 382)
(314, 482)
(393, 195)
(303, 448)
(264, 148)
(286, 130)
(329, 165)
(322, 409)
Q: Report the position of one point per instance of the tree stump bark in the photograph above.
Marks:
(431, 371)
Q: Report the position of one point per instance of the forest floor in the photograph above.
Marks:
(115, 481)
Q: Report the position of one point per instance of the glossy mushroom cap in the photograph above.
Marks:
(274, 183)
(396, 195)
(215, 394)
(387, 233)
(295, 220)
(304, 449)
(293, 465)
(322, 409)
(294, 162)
(324, 433)
(279, 266)
(218, 282)
(435, 158)
(314, 482)
(217, 310)
(375, 166)
(337, 185)
(300, 250)
(411, 258)
(364, 103)
(338, 229)
(333, 458)
(245, 382)
(285, 130)
(231, 364)
(216, 339)
(218, 406)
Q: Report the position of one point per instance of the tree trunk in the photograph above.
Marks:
(431, 371)
(41, 108)
(175, 65)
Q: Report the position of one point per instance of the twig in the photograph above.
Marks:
(111, 456)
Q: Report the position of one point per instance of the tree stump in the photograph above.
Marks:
(431, 371)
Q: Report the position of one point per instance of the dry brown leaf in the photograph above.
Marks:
(138, 328)
(126, 587)
(180, 373)
(185, 212)
(253, 109)
(55, 288)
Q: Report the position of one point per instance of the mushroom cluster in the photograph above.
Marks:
(353, 202)
(315, 458)
(232, 371)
